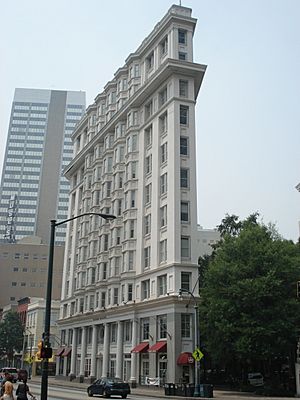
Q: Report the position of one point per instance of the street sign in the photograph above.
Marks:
(197, 354)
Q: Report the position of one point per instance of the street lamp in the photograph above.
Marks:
(46, 334)
(197, 339)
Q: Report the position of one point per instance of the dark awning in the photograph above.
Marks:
(159, 347)
(185, 359)
(67, 351)
(140, 348)
(59, 351)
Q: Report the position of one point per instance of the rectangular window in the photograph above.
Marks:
(162, 326)
(145, 289)
(145, 328)
(184, 115)
(127, 331)
(103, 296)
(113, 332)
(163, 251)
(163, 184)
(184, 146)
(162, 285)
(164, 46)
(147, 257)
(131, 229)
(131, 259)
(148, 166)
(163, 123)
(163, 152)
(185, 247)
(184, 178)
(147, 224)
(148, 136)
(185, 325)
(183, 88)
(148, 110)
(150, 61)
(132, 199)
(184, 211)
(148, 190)
(130, 292)
(163, 216)
(162, 96)
(116, 296)
(182, 56)
(182, 36)
(186, 280)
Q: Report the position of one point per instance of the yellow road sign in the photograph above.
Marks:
(197, 354)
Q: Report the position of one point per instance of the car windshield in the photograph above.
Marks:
(10, 370)
(256, 376)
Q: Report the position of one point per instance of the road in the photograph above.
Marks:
(61, 393)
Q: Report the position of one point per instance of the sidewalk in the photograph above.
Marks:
(159, 392)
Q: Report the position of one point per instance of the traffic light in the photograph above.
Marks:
(40, 347)
(43, 352)
(46, 352)
(298, 289)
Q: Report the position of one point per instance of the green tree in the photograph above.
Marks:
(249, 312)
(11, 335)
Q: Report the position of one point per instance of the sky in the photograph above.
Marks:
(247, 114)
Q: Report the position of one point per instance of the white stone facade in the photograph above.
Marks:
(135, 158)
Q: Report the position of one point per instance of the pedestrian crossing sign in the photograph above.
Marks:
(197, 354)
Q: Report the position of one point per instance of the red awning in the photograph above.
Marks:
(159, 347)
(185, 359)
(67, 351)
(140, 348)
(59, 351)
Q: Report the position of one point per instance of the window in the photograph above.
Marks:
(14, 284)
(127, 331)
(108, 188)
(116, 296)
(185, 280)
(183, 88)
(104, 270)
(184, 178)
(103, 296)
(182, 56)
(184, 143)
(147, 224)
(131, 229)
(131, 259)
(148, 136)
(162, 285)
(164, 46)
(148, 110)
(162, 96)
(145, 328)
(162, 326)
(185, 325)
(130, 292)
(145, 289)
(113, 333)
(148, 190)
(163, 216)
(182, 36)
(184, 114)
(185, 247)
(163, 123)
(163, 251)
(148, 166)
(163, 152)
(150, 61)
(184, 211)
(147, 257)
(132, 199)
(163, 184)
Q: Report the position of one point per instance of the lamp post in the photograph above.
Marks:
(46, 334)
(197, 339)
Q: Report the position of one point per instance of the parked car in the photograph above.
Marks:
(109, 386)
(255, 379)
(10, 370)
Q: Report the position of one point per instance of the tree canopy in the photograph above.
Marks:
(11, 335)
(249, 311)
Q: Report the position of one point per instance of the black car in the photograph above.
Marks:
(108, 387)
